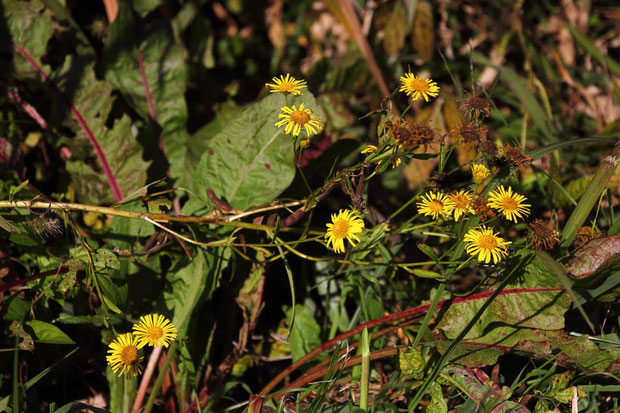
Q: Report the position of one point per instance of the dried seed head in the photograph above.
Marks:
(489, 147)
(440, 182)
(479, 204)
(542, 234)
(587, 234)
(411, 135)
(514, 156)
(474, 106)
(469, 134)
(46, 227)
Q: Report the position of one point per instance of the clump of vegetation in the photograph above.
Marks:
(433, 230)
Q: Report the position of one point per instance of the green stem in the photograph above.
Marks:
(365, 380)
(16, 403)
(429, 314)
(127, 399)
(160, 378)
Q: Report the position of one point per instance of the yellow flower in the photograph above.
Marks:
(295, 119)
(345, 224)
(154, 329)
(508, 203)
(418, 87)
(286, 85)
(479, 172)
(435, 204)
(123, 355)
(369, 149)
(462, 203)
(485, 243)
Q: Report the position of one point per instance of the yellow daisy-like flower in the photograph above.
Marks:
(154, 329)
(295, 119)
(436, 204)
(485, 243)
(479, 172)
(345, 224)
(510, 204)
(462, 203)
(369, 149)
(418, 87)
(123, 355)
(286, 84)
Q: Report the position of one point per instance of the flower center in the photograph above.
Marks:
(435, 206)
(419, 85)
(509, 204)
(487, 242)
(300, 117)
(129, 355)
(341, 229)
(286, 86)
(154, 332)
(460, 201)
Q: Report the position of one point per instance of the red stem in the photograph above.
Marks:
(145, 82)
(21, 281)
(118, 196)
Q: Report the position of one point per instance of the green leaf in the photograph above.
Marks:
(533, 309)
(48, 333)
(250, 162)
(438, 403)
(92, 99)
(16, 309)
(193, 282)
(305, 332)
(411, 363)
(165, 71)
(30, 25)
(593, 51)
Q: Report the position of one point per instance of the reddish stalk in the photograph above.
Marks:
(148, 373)
(116, 191)
(388, 319)
(21, 281)
(28, 108)
(145, 83)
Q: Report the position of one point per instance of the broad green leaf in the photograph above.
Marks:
(438, 403)
(534, 309)
(587, 259)
(165, 71)
(48, 333)
(124, 232)
(224, 114)
(92, 99)
(29, 25)
(16, 309)
(305, 332)
(411, 363)
(193, 282)
(250, 162)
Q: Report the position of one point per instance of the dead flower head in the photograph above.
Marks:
(516, 157)
(474, 106)
(542, 234)
(480, 207)
(470, 134)
(587, 234)
(410, 135)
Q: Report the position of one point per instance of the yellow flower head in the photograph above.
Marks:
(286, 84)
(295, 119)
(479, 172)
(345, 224)
(369, 149)
(418, 87)
(123, 355)
(509, 204)
(436, 204)
(154, 329)
(485, 243)
(462, 203)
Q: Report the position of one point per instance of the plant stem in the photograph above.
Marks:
(160, 378)
(146, 378)
(365, 380)
(16, 408)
